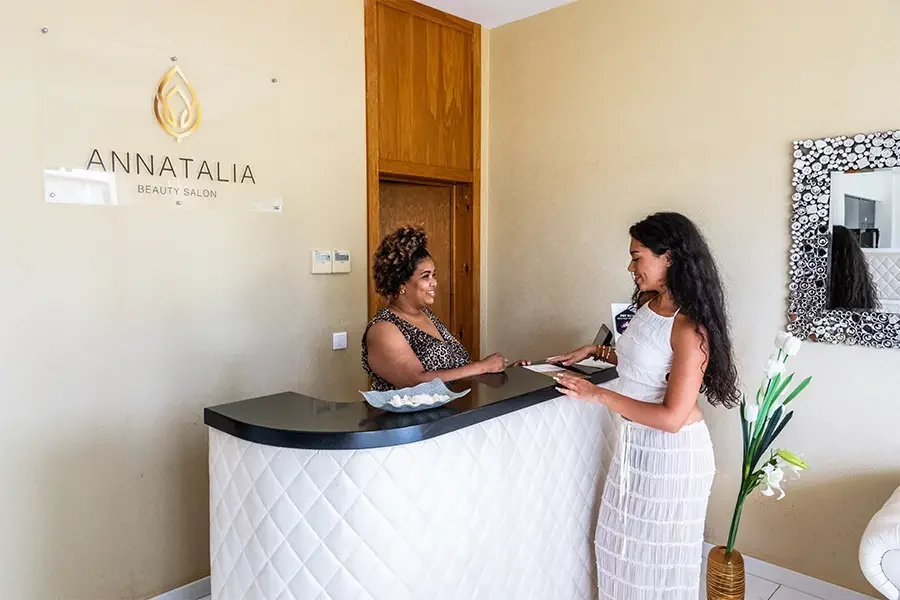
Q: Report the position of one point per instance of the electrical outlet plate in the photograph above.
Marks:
(339, 341)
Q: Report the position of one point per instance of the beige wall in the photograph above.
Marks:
(120, 324)
(603, 111)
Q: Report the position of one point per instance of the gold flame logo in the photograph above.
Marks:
(176, 106)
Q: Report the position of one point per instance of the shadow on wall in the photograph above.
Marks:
(97, 506)
(84, 513)
(833, 499)
(124, 507)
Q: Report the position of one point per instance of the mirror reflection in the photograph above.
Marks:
(865, 244)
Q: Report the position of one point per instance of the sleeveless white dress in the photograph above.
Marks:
(649, 539)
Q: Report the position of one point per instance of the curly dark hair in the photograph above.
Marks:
(851, 286)
(696, 287)
(396, 259)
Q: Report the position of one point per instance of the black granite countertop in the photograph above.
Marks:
(292, 420)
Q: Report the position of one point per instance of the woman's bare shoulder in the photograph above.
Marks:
(382, 329)
(687, 333)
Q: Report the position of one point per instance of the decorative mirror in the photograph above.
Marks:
(845, 255)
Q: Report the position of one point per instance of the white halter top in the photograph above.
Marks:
(645, 356)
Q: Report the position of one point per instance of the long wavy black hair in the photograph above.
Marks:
(851, 285)
(695, 285)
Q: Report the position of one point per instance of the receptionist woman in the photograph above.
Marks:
(405, 344)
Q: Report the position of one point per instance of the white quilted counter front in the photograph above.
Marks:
(502, 509)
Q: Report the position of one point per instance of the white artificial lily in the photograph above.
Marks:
(772, 476)
(792, 462)
(751, 412)
(780, 338)
(774, 367)
(794, 469)
(792, 345)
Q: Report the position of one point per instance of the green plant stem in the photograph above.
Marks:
(759, 427)
(735, 521)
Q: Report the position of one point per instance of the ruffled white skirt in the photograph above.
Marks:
(649, 540)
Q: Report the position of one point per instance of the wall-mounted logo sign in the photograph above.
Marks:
(178, 113)
(175, 105)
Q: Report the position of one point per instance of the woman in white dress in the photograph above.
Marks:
(649, 539)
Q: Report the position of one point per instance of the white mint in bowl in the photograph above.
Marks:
(398, 401)
(421, 397)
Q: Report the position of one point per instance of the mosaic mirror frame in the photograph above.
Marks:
(814, 162)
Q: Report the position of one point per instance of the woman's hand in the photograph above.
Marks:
(581, 389)
(573, 357)
(495, 363)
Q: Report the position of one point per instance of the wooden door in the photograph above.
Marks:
(423, 120)
(464, 281)
(431, 208)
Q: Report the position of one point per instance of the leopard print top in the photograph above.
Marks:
(434, 354)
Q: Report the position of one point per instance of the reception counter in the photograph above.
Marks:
(491, 496)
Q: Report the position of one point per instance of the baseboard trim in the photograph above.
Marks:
(797, 581)
(192, 591)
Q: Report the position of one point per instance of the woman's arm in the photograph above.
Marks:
(685, 379)
(394, 361)
(605, 353)
(608, 355)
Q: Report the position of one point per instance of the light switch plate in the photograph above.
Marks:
(341, 261)
(321, 262)
(339, 341)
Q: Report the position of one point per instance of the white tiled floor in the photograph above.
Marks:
(785, 593)
(757, 589)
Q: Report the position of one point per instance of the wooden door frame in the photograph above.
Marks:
(377, 170)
